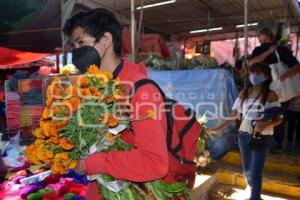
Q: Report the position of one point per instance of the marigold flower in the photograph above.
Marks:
(104, 118)
(53, 131)
(57, 92)
(83, 81)
(58, 169)
(110, 137)
(56, 110)
(35, 160)
(49, 101)
(38, 133)
(64, 156)
(44, 155)
(46, 113)
(73, 164)
(38, 143)
(66, 144)
(85, 92)
(54, 140)
(102, 78)
(48, 128)
(75, 90)
(61, 124)
(117, 94)
(110, 99)
(112, 122)
(69, 91)
(49, 91)
(93, 89)
(108, 74)
(75, 103)
(93, 69)
(99, 95)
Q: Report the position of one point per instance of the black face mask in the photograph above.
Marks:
(84, 57)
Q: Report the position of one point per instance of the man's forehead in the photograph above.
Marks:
(77, 33)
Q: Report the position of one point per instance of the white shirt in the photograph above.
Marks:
(253, 114)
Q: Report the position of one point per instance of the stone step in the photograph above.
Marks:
(283, 163)
(229, 192)
(274, 183)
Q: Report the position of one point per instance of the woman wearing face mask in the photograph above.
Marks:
(251, 102)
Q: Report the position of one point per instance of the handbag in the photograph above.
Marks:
(288, 88)
(257, 142)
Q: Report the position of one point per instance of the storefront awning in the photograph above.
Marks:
(10, 58)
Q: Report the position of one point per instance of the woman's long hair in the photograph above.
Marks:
(266, 70)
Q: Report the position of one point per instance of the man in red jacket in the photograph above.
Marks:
(96, 36)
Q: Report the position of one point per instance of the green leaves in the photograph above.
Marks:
(174, 187)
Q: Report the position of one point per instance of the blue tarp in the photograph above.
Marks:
(211, 92)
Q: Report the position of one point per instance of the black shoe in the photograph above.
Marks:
(276, 149)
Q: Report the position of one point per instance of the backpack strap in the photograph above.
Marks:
(141, 83)
(185, 129)
(169, 103)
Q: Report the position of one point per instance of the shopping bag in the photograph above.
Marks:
(287, 89)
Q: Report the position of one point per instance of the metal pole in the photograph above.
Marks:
(133, 31)
(64, 58)
(139, 32)
(246, 40)
(297, 45)
(208, 25)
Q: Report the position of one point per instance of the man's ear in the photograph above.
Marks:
(108, 39)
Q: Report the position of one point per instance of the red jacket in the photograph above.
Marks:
(149, 160)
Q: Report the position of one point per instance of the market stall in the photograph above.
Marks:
(66, 119)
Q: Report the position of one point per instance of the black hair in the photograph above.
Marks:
(95, 23)
(267, 32)
(265, 69)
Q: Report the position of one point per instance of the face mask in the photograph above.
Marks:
(256, 79)
(85, 56)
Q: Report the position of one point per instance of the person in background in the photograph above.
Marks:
(293, 118)
(266, 52)
(42, 72)
(256, 95)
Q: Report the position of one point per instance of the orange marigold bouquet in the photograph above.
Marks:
(83, 115)
(79, 114)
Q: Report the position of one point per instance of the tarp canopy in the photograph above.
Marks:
(30, 25)
(10, 58)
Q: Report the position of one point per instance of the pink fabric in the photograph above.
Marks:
(223, 50)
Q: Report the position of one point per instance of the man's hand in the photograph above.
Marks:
(261, 126)
(80, 169)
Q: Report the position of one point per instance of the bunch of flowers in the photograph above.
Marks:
(202, 156)
(64, 134)
(85, 114)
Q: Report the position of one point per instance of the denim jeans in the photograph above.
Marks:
(253, 164)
